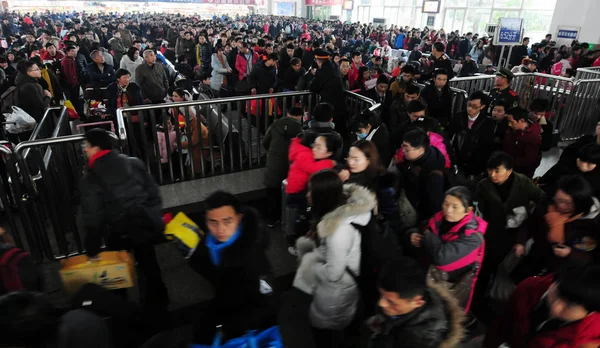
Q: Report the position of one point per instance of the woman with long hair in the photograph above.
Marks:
(131, 61)
(330, 261)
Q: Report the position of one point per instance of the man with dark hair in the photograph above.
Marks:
(328, 84)
(556, 309)
(52, 57)
(424, 187)
(438, 97)
(285, 56)
(322, 122)
(72, 78)
(415, 109)
(413, 314)
(233, 259)
(406, 78)
(356, 64)
(538, 109)
(121, 204)
(523, 141)
(472, 135)
(465, 45)
(441, 60)
(503, 198)
(381, 95)
(469, 67)
(500, 124)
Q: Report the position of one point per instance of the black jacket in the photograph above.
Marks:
(407, 126)
(133, 93)
(130, 186)
(30, 96)
(468, 69)
(263, 78)
(385, 101)
(291, 78)
(436, 324)
(328, 84)
(464, 47)
(381, 140)
(97, 78)
(277, 142)
(567, 165)
(439, 106)
(472, 147)
(423, 182)
(500, 129)
(239, 304)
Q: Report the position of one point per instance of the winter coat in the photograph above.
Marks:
(196, 140)
(567, 165)
(474, 145)
(244, 292)
(383, 186)
(522, 193)
(241, 64)
(385, 101)
(436, 141)
(324, 271)
(152, 80)
(203, 54)
(302, 166)
(187, 48)
(133, 93)
(291, 78)
(263, 78)
(514, 326)
(126, 38)
(315, 128)
(219, 71)
(328, 85)
(277, 142)
(97, 78)
(438, 324)
(162, 143)
(119, 50)
(30, 96)
(439, 105)
(69, 72)
(131, 186)
(423, 182)
(458, 251)
(129, 65)
(524, 147)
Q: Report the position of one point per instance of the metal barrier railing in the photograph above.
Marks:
(217, 136)
(581, 110)
(588, 73)
(48, 122)
(471, 84)
(459, 98)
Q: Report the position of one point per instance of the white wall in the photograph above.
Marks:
(580, 13)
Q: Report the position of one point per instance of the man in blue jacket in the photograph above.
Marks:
(99, 74)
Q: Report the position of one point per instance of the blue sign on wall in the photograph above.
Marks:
(509, 31)
(567, 34)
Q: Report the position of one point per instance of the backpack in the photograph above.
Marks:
(8, 99)
(556, 69)
(10, 275)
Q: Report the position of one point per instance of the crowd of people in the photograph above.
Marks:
(413, 226)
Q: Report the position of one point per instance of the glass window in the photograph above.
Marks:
(391, 15)
(405, 16)
(402, 2)
(496, 15)
(476, 20)
(539, 5)
(480, 3)
(376, 2)
(455, 3)
(537, 24)
(508, 3)
(376, 12)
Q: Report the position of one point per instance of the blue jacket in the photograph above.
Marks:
(97, 78)
(399, 43)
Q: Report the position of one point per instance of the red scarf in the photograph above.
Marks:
(96, 156)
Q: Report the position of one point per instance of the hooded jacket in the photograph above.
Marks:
(302, 166)
(324, 271)
(438, 324)
(514, 325)
(244, 296)
(457, 251)
(277, 142)
(31, 96)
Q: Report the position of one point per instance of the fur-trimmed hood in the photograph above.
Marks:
(357, 209)
(456, 317)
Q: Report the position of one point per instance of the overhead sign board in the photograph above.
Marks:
(571, 33)
(509, 31)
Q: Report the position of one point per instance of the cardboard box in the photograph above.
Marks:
(113, 270)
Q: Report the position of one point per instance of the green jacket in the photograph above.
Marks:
(277, 142)
(495, 212)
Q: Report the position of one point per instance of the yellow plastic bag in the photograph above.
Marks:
(185, 233)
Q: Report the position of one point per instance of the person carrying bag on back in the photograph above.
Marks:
(121, 202)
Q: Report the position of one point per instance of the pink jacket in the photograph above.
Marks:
(436, 141)
(162, 144)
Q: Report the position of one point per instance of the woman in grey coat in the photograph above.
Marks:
(131, 61)
(220, 67)
(324, 270)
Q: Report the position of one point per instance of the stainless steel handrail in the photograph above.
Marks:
(44, 119)
(361, 97)
(121, 123)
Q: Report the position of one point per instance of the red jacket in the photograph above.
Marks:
(513, 327)
(69, 71)
(302, 166)
(47, 58)
(524, 147)
(353, 74)
(241, 63)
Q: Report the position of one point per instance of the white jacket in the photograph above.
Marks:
(323, 273)
(129, 65)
